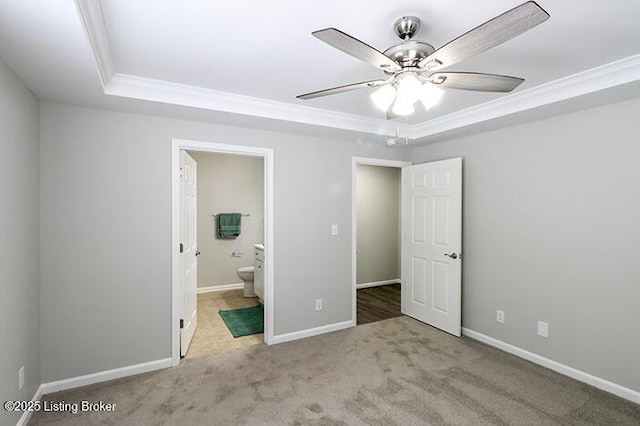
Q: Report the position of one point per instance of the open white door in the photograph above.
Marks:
(431, 243)
(188, 250)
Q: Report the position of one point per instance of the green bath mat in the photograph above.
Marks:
(244, 321)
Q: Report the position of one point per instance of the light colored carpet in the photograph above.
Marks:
(393, 372)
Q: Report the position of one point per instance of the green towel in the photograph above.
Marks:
(229, 225)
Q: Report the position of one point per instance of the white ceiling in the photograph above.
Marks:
(265, 50)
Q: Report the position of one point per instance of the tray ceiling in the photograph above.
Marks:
(263, 53)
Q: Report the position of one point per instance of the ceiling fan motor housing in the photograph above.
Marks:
(409, 52)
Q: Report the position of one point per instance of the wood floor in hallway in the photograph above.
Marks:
(378, 303)
(212, 335)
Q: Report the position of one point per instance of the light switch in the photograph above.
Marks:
(543, 329)
(334, 229)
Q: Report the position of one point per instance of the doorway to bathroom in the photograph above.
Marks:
(376, 239)
(226, 231)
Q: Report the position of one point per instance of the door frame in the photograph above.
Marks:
(355, 161)
(269, 294)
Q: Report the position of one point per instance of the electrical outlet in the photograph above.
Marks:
(334, 229)
(21, 378)
(500, 316)
(543, 329)
(318, 304)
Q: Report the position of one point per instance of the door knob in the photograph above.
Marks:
(452, 255)
(197, 252)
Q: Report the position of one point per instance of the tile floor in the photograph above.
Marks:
(212, 335)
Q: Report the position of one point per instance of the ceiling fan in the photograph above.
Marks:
(410, 65)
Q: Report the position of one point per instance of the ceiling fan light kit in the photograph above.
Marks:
(408, 65)
(409, 85)
(408, 92)
(406, 89)
(403, 105)
(384, 96)
(430, 95)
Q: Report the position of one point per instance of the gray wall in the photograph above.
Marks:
(551, 230)
(106, 206)
(20, 248)
(228, 183)
(378, 223)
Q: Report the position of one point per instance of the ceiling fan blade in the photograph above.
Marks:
(356, 48)
(340, 89)
(475, 81)
(490, 34)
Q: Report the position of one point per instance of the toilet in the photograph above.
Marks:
(246, 275)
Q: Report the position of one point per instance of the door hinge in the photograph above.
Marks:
(181, 172)
(181, 323)
(181, 247)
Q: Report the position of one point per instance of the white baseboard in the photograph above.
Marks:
(103, 376)
(223, 287)
(312, 332)
(377, 283)
(579, 375)
(24, 419)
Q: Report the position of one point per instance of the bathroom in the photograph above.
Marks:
(227, 183)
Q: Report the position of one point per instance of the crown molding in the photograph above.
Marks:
(129, 86)
(603, 77)
(135, 87)
(92, 19)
